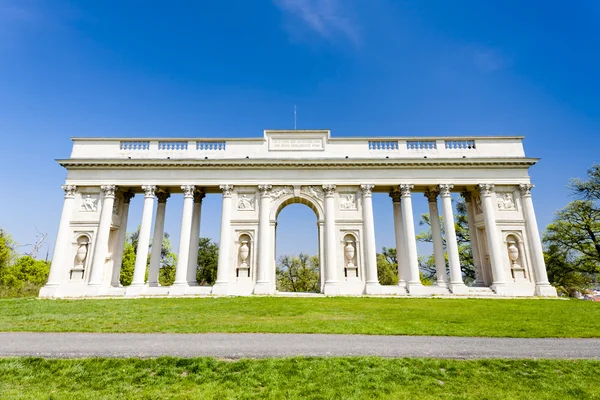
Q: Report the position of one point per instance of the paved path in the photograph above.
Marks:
(259, 345)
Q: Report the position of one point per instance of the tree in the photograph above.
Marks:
(387, 266)
(7, 249)
(208, 261)
(298, 274)
(128, 264)
(463, 238)
(565, 273)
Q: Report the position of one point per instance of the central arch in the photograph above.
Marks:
(317, 209)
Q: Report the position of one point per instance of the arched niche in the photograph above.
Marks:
(83, 243)
(515, 251)
(245, 252)
(350, 252)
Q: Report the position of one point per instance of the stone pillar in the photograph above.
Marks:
(118, 255)
(414, 283)
(373, 286)
(474, 240)
(101, 248)
(159, 230)
(222, 284)
(62, 247)
(493, 240)
(141, 256)
(331, 282)
(456, 285)
(542, 286)
(438, 243)
(183, 254)
(195, 238)
(403, 273)
(265, 244)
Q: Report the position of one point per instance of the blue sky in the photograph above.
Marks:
(234, 68)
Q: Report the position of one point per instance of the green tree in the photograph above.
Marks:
(564, 273)
(208, 261)
(387, 266)
(7, 250)
(298, 274)
(463, 238)
(128, 264)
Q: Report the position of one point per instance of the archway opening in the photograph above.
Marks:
(297, 248)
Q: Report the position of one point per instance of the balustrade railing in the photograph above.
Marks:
(211, 145)
(383, 145)
(460, 144)
(421, 144)
(172, 145)
(135, 145)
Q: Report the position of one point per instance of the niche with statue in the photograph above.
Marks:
(243, 256)
(516, 252)
(350, 263)
(81, 258)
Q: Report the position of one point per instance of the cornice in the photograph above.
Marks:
(313, 163)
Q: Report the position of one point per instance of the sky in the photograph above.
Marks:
(234, 68)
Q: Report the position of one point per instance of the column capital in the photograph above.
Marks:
(405, 189)
(432, 196)
(109, 190)
(396, 196)
(329, 190)
(227, 190)
(69, 190)
(485, 189)
(265, 190)
(149, 190)
(367, 189)
(467, 196)
(525, 189)
(163, 196)
(199, 195)
(188, 190)
(127, 196)
(445, 189)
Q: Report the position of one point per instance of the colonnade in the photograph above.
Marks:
(404, 228)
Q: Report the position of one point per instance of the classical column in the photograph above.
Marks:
(331, 282)
(101, 248)
(194, 238)
(414, 283)
(542, 286)
(221, 285)
(265, 244)
(118, 255)
(493, 240)
(474, 240)
(159, 230)
(141, 256)
(373, 286)
(403, 273)
(436, 237)
(183, 254)
(456, 284)
(62, 247)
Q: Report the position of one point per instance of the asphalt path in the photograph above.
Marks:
(261, 345)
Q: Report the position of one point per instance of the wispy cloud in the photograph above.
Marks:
(487, 59)
(327, 18)
(16, 17)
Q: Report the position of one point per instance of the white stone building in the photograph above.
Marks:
(335, 177)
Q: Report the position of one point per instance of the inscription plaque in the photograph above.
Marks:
(296, 144)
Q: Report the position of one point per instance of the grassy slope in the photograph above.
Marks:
(458, 317)
(295, 378)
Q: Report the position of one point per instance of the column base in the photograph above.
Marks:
(402, 284)
(373, 288)
(262, 288)
(331, 289)
(543, 291)
(178, 289)
(479, 284)
(153, 284)
(220, 289)
(135, 290)
(501, 289)
(49, 291)
(441, 284)
(458, 288)
(416, 288)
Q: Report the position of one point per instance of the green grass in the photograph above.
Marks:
(377, 316)
(298, 378)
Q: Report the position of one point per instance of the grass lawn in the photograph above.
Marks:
(298, 378)
(377, 316)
